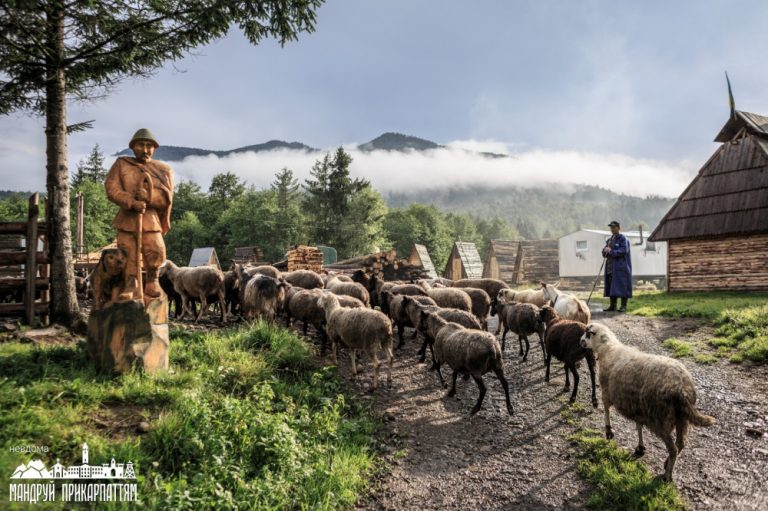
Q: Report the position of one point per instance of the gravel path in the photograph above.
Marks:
(438, 457)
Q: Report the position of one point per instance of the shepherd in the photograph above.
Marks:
(143, 188)
(618, 268)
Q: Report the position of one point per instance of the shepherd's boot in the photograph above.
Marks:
(623, 304)
(613, 305)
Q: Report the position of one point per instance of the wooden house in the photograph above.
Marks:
(464, 262)
(717, 230)
(420, 257)
(581, 255)
(519, 262)
(248, 255)
(205, 256)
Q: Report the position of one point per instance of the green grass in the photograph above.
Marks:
(245, 420)
(679, 347)
(741, 319)
(620, 481)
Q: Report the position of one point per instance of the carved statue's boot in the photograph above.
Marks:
(152, 287)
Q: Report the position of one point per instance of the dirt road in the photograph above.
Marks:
(440, 458)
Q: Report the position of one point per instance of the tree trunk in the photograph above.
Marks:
(64, 307)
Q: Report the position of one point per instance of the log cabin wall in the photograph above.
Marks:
(719, 264)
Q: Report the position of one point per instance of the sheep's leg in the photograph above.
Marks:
(353, 354)
(567, 379)
(440, 376)
(390, 356)
(203, 306)
(500, 375)
(546, 364)
(423, 350)
(527, 347)
(591, 365)
(184, 306)
(681, 433)
(608, 429)
(520, 340)
(543, 347)
(572, 367)
(415, 334)
(669, 464)
(375, 360)
(333, 350)
(452, 392)
(481, 386)
(222, 304)
(432, 352)
(504, 338)
(400, 333)
(640, 449)
(305, 327)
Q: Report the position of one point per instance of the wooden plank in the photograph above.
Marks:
(30, 267)
(19, 309)
(14, 283)
(15, 257)
(19, 227)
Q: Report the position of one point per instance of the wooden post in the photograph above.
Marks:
(30, 268)
(80, 228)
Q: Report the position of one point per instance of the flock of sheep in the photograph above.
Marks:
(361, 311)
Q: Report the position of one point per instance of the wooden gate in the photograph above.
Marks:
(25, 285)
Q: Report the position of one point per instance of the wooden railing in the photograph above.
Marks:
(36, 268)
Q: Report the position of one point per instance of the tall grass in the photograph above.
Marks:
(246, 420)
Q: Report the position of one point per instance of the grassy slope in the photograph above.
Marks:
(246, 421)
(741, 320)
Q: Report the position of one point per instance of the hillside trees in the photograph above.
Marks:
(52, 51)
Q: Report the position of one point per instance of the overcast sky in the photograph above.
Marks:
(622, 84)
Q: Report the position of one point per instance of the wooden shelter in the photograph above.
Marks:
(717, 231)
(464, 262)
(246, 255)
(205, 256)
(420, 257)
(521, 261)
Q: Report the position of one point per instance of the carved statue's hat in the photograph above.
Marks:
(143, 134)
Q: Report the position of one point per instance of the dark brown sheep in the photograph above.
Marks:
(481, 304)
(562, 339)
(399, 314)
(523, 320)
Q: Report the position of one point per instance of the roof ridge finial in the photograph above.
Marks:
(731, 101)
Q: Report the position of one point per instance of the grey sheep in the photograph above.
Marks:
(358, 329)
(563, 341)
(353, 289)
(523, 320)
(197, 282)
(468, 352)
(449, 297)
(265, 269)
(414, 310)
(304, 278)
(651, 390)
(262, 296)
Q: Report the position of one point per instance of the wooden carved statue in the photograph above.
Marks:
(143, 188)
(108, 278)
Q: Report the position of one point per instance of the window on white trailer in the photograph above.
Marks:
(650, 246)
(581, 246)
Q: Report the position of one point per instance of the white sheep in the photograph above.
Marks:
(567, 306)
(651, 390)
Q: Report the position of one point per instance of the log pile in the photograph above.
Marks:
(302, 257)
(383, 264)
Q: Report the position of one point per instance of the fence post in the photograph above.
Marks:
(30, 268)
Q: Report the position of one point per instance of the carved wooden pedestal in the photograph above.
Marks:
(124, 336)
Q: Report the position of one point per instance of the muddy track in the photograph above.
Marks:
(438, 457)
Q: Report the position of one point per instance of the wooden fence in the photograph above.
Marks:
(34, 278)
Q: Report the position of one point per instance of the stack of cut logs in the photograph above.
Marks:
(302, 257)
(384, 264)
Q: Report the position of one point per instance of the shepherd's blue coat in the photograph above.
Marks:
(621, 281)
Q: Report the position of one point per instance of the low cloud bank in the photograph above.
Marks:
(459, 164)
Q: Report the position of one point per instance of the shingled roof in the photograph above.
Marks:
(729, 196)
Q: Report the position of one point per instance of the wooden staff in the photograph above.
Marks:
(146, 184)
